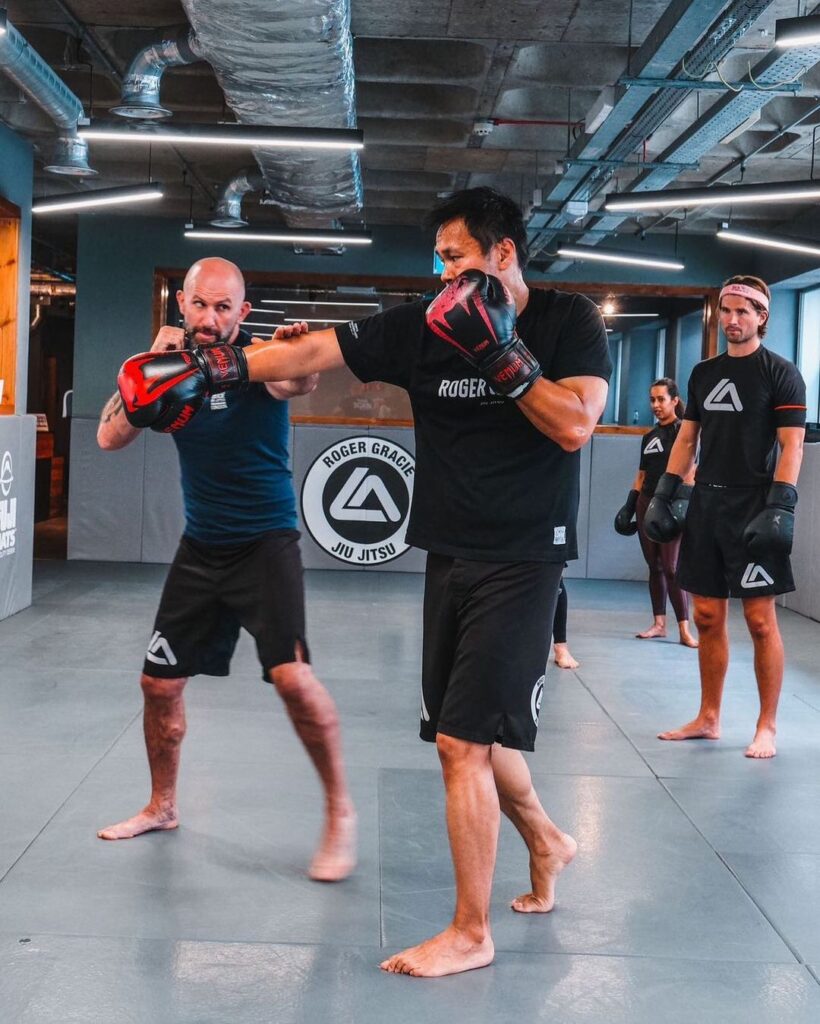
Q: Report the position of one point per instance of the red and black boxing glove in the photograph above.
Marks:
(164, 390)
(476, 315)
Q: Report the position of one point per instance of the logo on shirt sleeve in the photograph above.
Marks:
(723, 398)
(655, 446)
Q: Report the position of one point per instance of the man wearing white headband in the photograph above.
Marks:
(747, 407)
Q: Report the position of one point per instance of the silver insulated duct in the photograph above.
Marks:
(140, 87)
(288, 62)
(228, 211)
(30, 73)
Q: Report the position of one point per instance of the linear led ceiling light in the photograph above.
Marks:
(97, 197)
(284, 237)
(581, 252)
(788, 244)
(265, 136)
(732, 195)
(803, 31)
(310, 302)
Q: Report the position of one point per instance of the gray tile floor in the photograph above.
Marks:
(694, 897)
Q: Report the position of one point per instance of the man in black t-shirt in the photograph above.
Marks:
(748, 409)
(500, 418)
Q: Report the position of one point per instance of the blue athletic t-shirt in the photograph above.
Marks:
(234, 460)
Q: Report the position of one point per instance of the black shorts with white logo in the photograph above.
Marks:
(486, 642)
(714, 561)
(212, 591)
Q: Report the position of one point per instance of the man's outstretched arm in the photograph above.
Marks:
(298, 357)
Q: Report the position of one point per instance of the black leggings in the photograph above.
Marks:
(559, 623)
(662, 560)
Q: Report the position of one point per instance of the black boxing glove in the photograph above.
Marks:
(771, 532)
(625, 523)
(666, 512)
(164, 390)
(476, 315)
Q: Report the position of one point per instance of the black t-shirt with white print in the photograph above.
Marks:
(488, 486)
(740, 401)
(656, 444)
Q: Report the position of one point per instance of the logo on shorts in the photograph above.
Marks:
(159, 650)
(536, 698)
(219, 401)
(723, 398)
(356, 498)
(425, 714)
(655, 446)
(755, 576)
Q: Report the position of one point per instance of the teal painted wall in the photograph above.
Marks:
(16, 177)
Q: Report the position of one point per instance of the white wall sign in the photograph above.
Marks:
(356, 499)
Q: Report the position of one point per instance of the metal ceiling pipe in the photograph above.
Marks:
(27, 69)
(53, 290)
(228, 212)
(289, 63)
(141, 85)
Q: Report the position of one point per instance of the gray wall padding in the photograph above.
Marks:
(806, 553)
(105, 497)
(614, 464)
(17, 457)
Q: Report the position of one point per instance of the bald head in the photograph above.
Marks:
(216, 271)
(212, 301)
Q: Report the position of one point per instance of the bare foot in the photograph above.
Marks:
(148, 820)
(687, 640)
(563, 658)
(763, 744)
(652, 633)
(335, 858)
(697, 729)
(449, 952)
(544, 871)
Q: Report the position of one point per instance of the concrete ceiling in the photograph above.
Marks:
(426, 72)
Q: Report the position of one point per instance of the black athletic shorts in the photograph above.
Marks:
(713, 559)
(211, 591)
(486, 643)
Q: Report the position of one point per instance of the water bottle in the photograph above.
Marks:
(635, 417)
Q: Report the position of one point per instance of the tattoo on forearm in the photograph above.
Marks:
(112, 408)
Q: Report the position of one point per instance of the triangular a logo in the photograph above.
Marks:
(723, 398)
(755, 576)
(349, 502)
(655, 445)
(159, 650)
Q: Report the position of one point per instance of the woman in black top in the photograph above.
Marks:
(662, 559)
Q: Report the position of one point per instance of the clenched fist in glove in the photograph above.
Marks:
(164, 390)
(476, 315)
(771, 532)
(666, 512)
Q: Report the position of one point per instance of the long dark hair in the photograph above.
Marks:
(674, 392)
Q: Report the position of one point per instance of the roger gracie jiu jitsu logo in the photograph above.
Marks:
(356, 497)
(8, 508)
(655, 445)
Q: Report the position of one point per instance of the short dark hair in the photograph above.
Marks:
(759, 285)
(490, 217)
